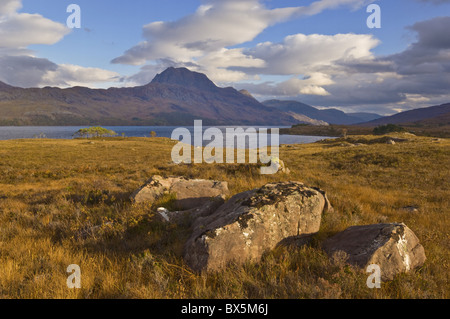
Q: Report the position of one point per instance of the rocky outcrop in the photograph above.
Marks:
(190, 193)
(393, 247)
(252, 223)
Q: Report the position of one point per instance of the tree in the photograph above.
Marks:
(94, 132)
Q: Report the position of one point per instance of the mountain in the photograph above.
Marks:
(174, 97)
(331, 116)
(365, 117)
(185, 78)
(434, 115)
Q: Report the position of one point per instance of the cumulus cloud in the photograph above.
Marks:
(301, 53)
(423, 68)
(24, 71)
(8, 7)
(75, 75)
(417, 77)
(19, 30)
(215, 25)
(206, 38)
(19, 66)
(29, 71)
(310, 61)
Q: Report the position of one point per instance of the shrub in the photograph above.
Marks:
(389, 128)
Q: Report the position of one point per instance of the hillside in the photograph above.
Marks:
(174, 97)
(435, 114)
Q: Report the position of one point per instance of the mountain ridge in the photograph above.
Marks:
(174, 97)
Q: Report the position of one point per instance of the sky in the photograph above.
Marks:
(319, 52)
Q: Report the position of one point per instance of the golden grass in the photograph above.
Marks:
(67, 202)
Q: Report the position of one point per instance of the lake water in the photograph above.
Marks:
(67, 132)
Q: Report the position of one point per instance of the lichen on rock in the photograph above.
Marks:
(253, 222)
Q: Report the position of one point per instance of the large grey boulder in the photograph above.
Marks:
(190, 193)
(393, 247)
(252, 223)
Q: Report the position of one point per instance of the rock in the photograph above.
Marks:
(411, 209)
(328, 207)
(191, 215)
(282, 168)
(163, 212)
(393, 247)
(252, 223)
(390, 142)
(190, 193)
(276, 163)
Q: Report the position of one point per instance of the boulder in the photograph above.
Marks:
(190, 193)
(276, 163)
(283, 169)
(411, 209)
(253, 222)
(390, 142)
(393, 247)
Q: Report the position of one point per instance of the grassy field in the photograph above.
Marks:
(66, 202)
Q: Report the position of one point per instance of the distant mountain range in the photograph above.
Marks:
(177, 96)
(331, 116)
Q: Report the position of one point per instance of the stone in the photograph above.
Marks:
(283, 169)
(411, 209)
(390, 142)
(276, 162)
(393, 247)
(253, 222)
(328, 207)
(188, 217)
(190, 193)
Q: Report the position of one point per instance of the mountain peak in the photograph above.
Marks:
(184, 77)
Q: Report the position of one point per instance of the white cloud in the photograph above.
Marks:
(214, 26)
(19, 66)
(300, 53)
(8, 7)
(207, 36)
(19, 30)
(28, 71)
(75, 75)
(311, 60)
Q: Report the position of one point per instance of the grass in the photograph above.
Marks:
(66, 202)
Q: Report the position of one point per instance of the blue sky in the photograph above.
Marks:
(320, 52)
